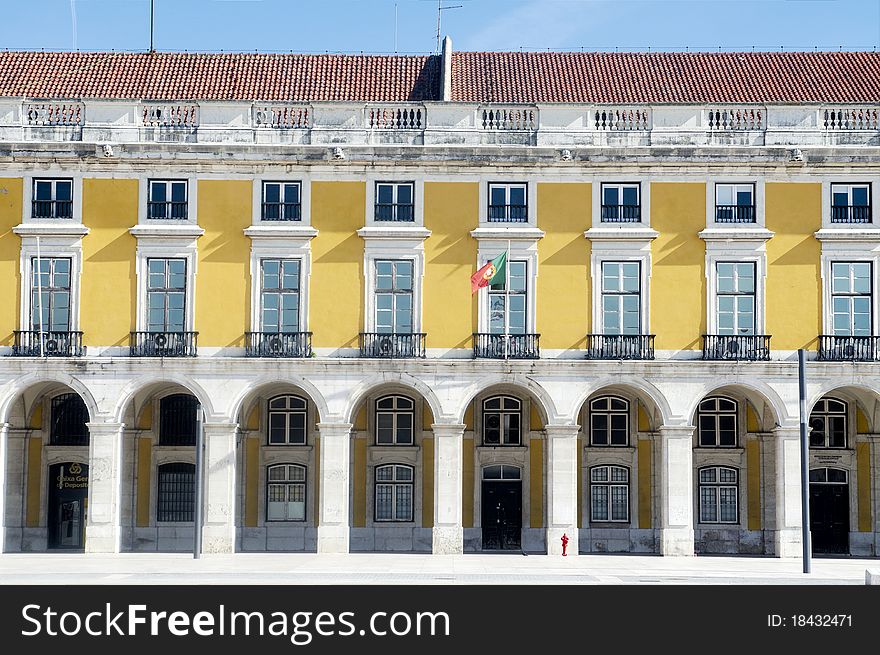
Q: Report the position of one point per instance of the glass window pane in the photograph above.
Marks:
(860, 196)
(157, 192)
(724, 194)
(517, 195)
(291, 193)
(610, 195)
(599, 502)
(631, 195)
(619, 503)
(404, 194)
(63, 190)
(708, 508)
(497, 195)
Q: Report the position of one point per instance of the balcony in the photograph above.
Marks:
(163, 344)
(850, 213)
(278, 344)
(52, 209)
(848, 349)
(392, 345)
(620, 346)
(506, 346)
(621, 213)
(402, 213)
(167, 210)
(734, 213)
(33, 343)
(508, 213)
(748, 348)
(281, 211)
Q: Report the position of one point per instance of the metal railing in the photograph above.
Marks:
(508, 213)
(52, 209)
(163, 344)
(736, 347)
(278, 344)
(394, 212)
(734, 213)
(506, 346)
(167, 210)
(621, 213)
(392, 345)
(281, 211)
(833, 348)
(33, 343)
(620, 346)
(850, 213)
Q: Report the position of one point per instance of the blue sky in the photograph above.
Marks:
(369, 25)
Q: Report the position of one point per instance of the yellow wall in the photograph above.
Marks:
(563, 293)
(34, 477)
(863, 472)
(862, 426)
(793, 301)
(223, 275)
(536, 483)
(467, 483)
(535, 420)
(753, 473)
(252, 482)
(36, 421)
(109, 278)
(359, 484)
(678, 281)
(144, 469)
(427, 482)
(10, 251)
(752, 424)
(451, 212)
(337, 264)
(644, 420)
(646, 489)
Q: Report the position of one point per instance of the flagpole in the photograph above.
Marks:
(507, 301)
(40, 294)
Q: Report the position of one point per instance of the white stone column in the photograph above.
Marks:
(103, 522)
(676, 490)
(218, 529)
(447, 534)
(562, 483)
(787, 532)
(4, 459)
(333, 513)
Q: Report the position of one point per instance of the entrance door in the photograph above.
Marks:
(502, 515)
(829, 511)
(68, 493)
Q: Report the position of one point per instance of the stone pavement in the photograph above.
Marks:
(406, 568)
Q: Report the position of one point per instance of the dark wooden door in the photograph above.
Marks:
(829, 518)
(501, 515)
(68, 492)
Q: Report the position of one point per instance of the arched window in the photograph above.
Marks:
(68, 423)
(177, 420)
(828, 424)
(719, 495)
(501, 472)
(609, 494)
(394, 493)
(394, 421)
(828, 476)
(717, 422)
(286, 493)
(176, 497)
(502, 419)
(609, 422)
(287, 420)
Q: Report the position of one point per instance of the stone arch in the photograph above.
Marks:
(544, 403)
(760, 395)
(256, 387)
(366, 387)
(637, 386)
(138, 385)
(17, 387)
(861, 395)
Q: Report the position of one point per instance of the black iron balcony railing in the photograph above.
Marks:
(392, 345)
(738, 347)
(833, 348)
(33, 343)
(163, 344)
(734, 213)
(278, 344)
(620, 346)
(506, 346)
(167, 210)
(402, 213)
(850, 213)
(52, 209)
(508, 214)
(282, 211)
(621, 213)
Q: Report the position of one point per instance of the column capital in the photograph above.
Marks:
(334, 429)
(219, 427)
(102, 426)
(448, 429)
(787, 432)
(677, 431)
(562, 431)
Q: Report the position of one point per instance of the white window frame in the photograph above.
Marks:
(157, 249)
(282, 184)
(50, 247)
(620, 186)
(531, 186)
(753, 188)
(168, 175)
(644, 185)
(637, 254)
(28, 197)
(717, 486)
(609, 484)
(619, 294)
(395, 184)
(626, 412)
(757, 295)
(258, 319)
(756, 230)
(305, 199)
(265, 245)
(287, 412)
(394, 485)
(523, 417)
(849, 252)
(418, 184)
(748, 254)
(394, 250)
(738, 435)
(395, 413)
(872, 182)
(287, 483)
(847, 440)
(394, 293)
(520, 250)
(870, 295)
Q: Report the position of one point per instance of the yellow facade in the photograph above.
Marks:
(753, 473)
(467, 483)
(646, 486)
(10, 250)
(863, 480)
(359, 484)
(144, 469)
(536, 483)
(427, 482)
(34, 481)
(252, 482)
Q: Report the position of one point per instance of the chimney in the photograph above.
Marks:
(446, 64)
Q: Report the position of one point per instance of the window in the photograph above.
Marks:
(609, 494)
(68, 424)
(178, 420)
(394, 421)
(281, 201)
(851, 299)
(734, 203)
(502, 416)
(850, 203)
(168, 200)
(508, 203)
(511, 317)
(394, 493)
(287, 420)
(719, 495)
(609, 422)
(279, 295)
(828, 476)
(735, 298)
(717, 422)
(52, 199)
(50, 294)
(394, 201)
(621, 298)
(828, 424)
(394, 296)
(501, 472)
(621, 203)
(286, 493)
(177, 486)
(166, 295)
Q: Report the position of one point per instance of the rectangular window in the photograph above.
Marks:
(734, 203)
(621, 203)
(166, 295)
(508, 203)
(851, 299)
(718, 492)
(52, 199)
(851, 203)
(735, 298)
(281, 201)
(394, 493)
(176, 493)
(509, 309)
(394, 296)
(609, 494)
(50, 294)
(394, 201)
(279, 295)
(167, 200)
(286, 493)
(621, 298)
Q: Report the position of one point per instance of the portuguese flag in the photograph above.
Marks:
(487, 274)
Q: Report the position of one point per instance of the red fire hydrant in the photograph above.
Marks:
(564, 544)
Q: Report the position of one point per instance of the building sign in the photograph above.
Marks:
(72, 476)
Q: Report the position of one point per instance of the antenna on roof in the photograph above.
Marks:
(440, 10)
(152, 11)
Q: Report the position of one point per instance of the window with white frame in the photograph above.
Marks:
(851, 299)
(394, 202)
(394, 421)
(719, 495)
(851, 203)
(735, 203)
(52, 198)
(828, 424)
(508, 203)
(502, 421)
(175, 498)
(609, 494)
(621, 203)
(282, 201)
(508, 309)
(717, 423)
(394, 493)
(280, 295)
(735, 298)
(167, 200)
(50, 294)
(394, 296)
(287, 420)
(286, 493)
(166, 295)
(621, 298)
(609, 421)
